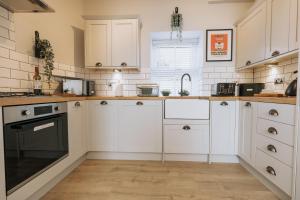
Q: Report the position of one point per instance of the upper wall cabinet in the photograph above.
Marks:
(98, 43)
(278, 27)
(112, 43)
(251, 37)
(125, 43)
(268, 34)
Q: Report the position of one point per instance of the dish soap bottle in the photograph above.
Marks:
(37, 83)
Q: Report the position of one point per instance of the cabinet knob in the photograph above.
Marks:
(186, 128)
(273, 112)
(103, 103)
(271, 170)
(248, 63)
(272, 131)
(139, 103)
(224, 103)
(248, 104)
(123, 64)
(275, 53)
(272, 148)
(77, 104)
(98, 64)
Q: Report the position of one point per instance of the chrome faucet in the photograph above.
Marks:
(182, 77)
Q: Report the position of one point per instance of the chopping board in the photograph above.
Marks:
(269, 95)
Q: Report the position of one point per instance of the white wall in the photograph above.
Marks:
(198, 15)
(155, 15)
(60, 28)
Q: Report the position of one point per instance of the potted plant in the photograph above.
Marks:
(44, 51)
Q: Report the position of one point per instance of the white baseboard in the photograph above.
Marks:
(46, 188)
(159, 157)
(277, 191)
(123, 156)
(224, 159)
(186, 157)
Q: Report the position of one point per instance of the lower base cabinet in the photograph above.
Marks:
(186, 139)
(129, 126)
(77, 129)
(139, 127)
(223, 128)
(274, 170)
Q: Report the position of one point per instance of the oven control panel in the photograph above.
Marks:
(25, 112)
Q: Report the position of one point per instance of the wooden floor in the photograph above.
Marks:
(147, 180)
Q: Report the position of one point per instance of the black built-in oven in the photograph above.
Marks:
(35, 138)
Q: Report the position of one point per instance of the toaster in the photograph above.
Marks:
(223, 89)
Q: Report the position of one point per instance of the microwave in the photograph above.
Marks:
(79, 87)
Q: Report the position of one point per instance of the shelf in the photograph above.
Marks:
(272, 61)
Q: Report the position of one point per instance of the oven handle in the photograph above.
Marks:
(35, 128)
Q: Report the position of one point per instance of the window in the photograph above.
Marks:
(171, 59)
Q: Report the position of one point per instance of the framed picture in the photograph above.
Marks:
(219, 45)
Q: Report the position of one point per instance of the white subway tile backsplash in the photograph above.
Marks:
(20, 75)
(4, 52)
(9, 83)
(4, 13)
(18, 56)
(4, 73)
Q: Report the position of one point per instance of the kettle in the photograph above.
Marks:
(292, 88)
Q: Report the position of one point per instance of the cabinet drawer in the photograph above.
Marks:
(186, 109)
(277, 172)
(141, 102)
(277, 112)
(278, 150)
(278, 131)
(193, 139)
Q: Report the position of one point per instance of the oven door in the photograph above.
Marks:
(33, 146)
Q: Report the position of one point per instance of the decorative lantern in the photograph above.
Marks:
(176, 24)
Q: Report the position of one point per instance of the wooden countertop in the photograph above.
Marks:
(10, 101)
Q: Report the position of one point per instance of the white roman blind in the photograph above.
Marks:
(171, 59)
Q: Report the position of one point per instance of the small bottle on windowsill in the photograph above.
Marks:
(37, 83)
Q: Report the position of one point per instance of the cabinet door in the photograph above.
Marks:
(186, 138)
(251, 37)
(223, 127)
(98, 43)
(125, 43)
(294, 25)
(102, 125)
(245, 130)
(77, 129)
(278, 27)
(140, 126)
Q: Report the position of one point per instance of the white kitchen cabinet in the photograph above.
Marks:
(246, 129)
(139, 126)
(223, 122)
(98, 43)
(251, 37)
(125, 43)
(278, 27)
(2, 166)
(77, 129)
(112, 43)
(102, 123)
(186, 109)
(186, 138)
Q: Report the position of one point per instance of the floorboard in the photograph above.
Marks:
(151, 180)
